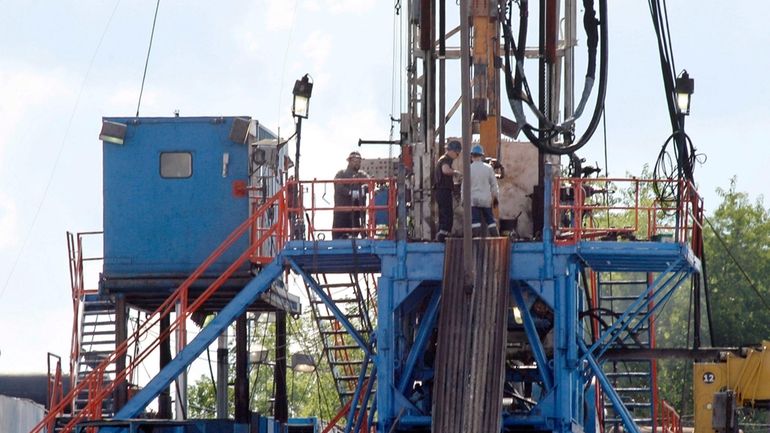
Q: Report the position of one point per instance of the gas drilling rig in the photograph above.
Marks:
(549, 328)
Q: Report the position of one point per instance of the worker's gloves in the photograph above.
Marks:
(355, 194)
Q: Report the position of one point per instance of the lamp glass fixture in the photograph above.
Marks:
(301, 106)
(303, 89)
(683, 102)
(302, 363)
(685, 87)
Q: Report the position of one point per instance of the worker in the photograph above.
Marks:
(347, 223)
(444, 185)
(484, 192)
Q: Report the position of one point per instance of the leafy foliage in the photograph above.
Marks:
(310, 394)
(739, 315)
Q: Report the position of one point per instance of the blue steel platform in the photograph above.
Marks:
(409, 291)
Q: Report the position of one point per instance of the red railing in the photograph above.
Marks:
(94, 382)
(55, 386)
(314, 209)
(78, 292)
(593, 209)
(669, 420)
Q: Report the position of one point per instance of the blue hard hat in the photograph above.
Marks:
(477, 150)
(454, 145)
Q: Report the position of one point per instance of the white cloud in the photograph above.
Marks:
(280, 14)
(9, 224)
(317, 48)
(348, 6)
(23, 87)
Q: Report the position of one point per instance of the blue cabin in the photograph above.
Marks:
(174, 189)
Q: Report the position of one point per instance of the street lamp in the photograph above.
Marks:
(303, 89)
(685, 87)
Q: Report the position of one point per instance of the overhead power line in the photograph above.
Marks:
(147, 60)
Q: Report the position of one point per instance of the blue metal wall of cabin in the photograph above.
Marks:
(161, 226)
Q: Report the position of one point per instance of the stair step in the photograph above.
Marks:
(339, 363)
(337, 285)
(631, 404)
(110, 332)
(350, 377)
(618, 420)
(98, 323)
(618, 298)
(343, 347)
(86, 342)
(334, 318)
(343, 332)
(627, 374)
(633, 389)
(622, 282)
(338, 301)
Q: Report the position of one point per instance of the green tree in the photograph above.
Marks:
(741, 233)
(310, 394)
(740, 239)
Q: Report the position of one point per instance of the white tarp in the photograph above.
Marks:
(19, 415)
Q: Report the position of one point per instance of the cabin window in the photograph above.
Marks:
(175, 165)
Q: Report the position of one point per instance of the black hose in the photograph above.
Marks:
(514, 85)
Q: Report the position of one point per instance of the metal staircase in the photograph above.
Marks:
(97, 342)
(355, 296)
(101, 379)
(634, 380)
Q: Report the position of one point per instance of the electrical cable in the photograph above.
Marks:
(147, 60)
(211, 370)
(514, 84)
(59, 153)
(666, 169)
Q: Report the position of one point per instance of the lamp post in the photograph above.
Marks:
(684, 88)
(303, 89)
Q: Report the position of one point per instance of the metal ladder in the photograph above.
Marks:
(634, 380)
(354, 295)
(97, 342)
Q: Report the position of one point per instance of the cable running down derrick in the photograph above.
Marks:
(517, 86)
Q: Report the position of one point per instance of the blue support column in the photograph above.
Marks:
(563, 374)
(546, 374)
(423, 336)
(357, 393)
(609, 390)
(385, 358)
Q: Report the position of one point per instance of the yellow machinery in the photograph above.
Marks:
(721, 387)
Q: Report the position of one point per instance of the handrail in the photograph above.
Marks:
(583, 209)
(670, 421)
(94, 380)
(55, 386)
(78, 293)
(319, 216)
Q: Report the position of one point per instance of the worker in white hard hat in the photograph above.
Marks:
(484, 192)
(349, 223)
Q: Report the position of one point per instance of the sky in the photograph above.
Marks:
(64, 64)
